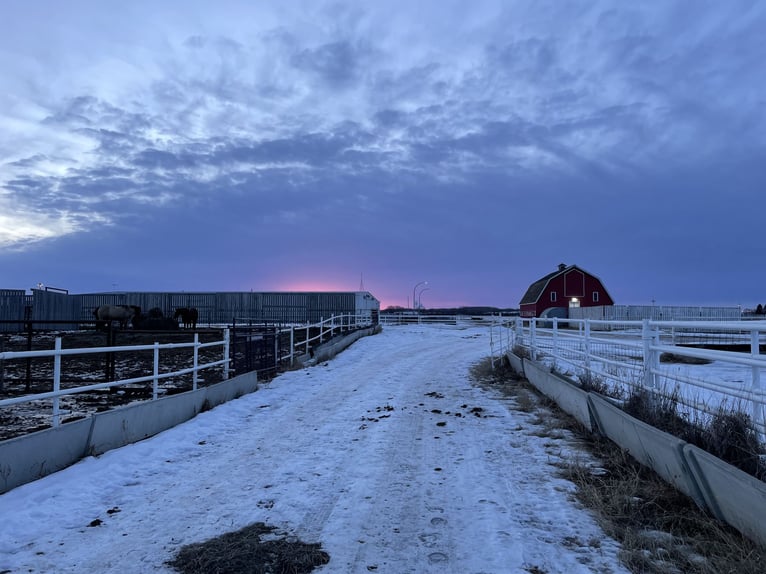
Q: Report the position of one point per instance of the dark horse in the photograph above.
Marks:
(188, 317)
(105, 314)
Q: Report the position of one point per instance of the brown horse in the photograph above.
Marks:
(105, 314)
(188, 317)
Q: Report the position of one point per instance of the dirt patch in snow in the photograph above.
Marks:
(254, 549)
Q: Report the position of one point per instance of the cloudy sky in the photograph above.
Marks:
(239, 145)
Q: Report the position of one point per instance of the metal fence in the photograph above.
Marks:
(250, 347)
(704, 366)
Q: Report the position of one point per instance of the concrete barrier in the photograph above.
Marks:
(730, 494)
(570, 398)
(231, 389)
(658, 450)
(26, 458)
(328, 350)
(126, 425)
(517, 363)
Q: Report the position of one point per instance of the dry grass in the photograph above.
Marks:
(246, 552)
(660, 529)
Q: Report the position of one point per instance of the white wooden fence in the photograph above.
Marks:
(326, 329)
(57, 352)
(628, 354)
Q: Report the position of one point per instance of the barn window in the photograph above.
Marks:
(553, 296)
(595, 296)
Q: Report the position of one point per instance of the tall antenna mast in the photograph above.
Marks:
(361, 282)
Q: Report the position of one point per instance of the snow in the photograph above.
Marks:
(350, 454)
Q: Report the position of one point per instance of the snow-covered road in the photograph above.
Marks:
(388, 456)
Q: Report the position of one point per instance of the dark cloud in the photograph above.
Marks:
(480, 153)
(337, 63)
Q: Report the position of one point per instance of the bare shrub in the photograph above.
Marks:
(731, 436)
(659, 409)
(484, 372)
(592, 383)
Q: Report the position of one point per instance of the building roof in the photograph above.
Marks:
(538, 287)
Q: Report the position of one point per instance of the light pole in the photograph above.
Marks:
(414, 297)
(420, 296)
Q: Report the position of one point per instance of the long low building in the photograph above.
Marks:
(213, 307)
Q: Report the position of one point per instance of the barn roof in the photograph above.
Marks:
(537, 288)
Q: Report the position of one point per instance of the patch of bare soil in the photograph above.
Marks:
(20, 377)
(255, 549)
(660, 530)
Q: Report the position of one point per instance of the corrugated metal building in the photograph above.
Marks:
(213, 307)
(13, 303)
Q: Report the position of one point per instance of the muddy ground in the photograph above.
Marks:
(20, 377)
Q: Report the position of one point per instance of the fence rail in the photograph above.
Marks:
(673, 359)
(288, 343)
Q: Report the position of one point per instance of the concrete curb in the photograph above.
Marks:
(731, 495)
(328, 350)
(26, 458)
(517, 363)
(568, 396)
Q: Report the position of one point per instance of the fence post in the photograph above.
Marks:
(492, 343)
(519, 338)
(2, 366)
(321, 329)
(292, 345)
(156, 371)
(307, 338)
(587, 346)
(755, 350)
(555, 339)
(277, 332)
(57, 382)
(226, 354)
(532, 339)
(196, 361)
(647, 337)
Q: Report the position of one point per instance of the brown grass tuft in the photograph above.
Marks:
(245, 552)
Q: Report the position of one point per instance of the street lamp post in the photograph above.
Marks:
(420, 297)
(414, 296)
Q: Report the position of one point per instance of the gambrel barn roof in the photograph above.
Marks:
(537, 288)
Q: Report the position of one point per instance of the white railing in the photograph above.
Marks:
(645, 354)
(414, 318)
(327, 330)
(57, 352)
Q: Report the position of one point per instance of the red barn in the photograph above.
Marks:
(570, 286)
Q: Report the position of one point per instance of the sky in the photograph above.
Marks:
(252, 145)
(351, 454)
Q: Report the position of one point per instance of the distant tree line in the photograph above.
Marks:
(476, 310)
